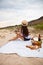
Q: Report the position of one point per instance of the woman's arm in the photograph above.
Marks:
(20, 36)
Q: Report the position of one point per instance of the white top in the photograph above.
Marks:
(28, 37)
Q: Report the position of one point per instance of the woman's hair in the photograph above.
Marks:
(24, 31)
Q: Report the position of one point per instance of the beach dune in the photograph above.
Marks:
(14, 59)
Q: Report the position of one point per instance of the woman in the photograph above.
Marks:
(25, 31)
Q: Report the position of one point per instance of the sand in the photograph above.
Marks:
(14, 59)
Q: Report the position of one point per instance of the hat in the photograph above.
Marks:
(24, 23)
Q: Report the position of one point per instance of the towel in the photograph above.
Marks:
(19, 47)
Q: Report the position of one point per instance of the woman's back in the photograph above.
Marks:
(25, 31)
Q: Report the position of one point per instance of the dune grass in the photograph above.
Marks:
(39, 26)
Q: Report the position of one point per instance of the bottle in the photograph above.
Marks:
(39, 40)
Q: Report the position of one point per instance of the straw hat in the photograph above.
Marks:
(24, 23)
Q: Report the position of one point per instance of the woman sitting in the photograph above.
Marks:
(25, 31)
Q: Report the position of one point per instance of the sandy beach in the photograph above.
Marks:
(21, 15)
(14, 59)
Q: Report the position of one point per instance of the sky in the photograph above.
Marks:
(12, 12)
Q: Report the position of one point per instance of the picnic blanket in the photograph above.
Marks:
(19, 47)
